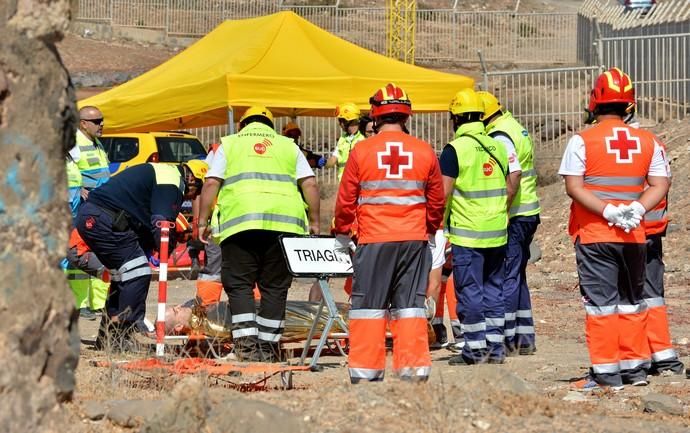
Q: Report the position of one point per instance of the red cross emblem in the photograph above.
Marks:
(394, 160)
(623, 145)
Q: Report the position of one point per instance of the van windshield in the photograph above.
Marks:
(179, 149)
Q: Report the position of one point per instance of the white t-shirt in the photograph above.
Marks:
(513, 161)
(573, 162)
(219, 162)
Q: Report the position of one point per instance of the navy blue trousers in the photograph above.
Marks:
(123, 255)
(478, 274)
(519, 329)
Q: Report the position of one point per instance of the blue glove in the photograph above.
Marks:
(322, 161)
(154, 261)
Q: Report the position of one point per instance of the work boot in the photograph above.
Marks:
(247, 349)
(194, 272)
(441, 336)
(87, 314)
(117, 337)
(270, 352)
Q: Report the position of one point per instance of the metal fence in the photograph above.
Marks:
(441, 34)
(550, 103)
(652, 46)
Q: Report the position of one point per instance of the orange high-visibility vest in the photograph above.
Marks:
(393, 173)
(656, 220)
(616, 167)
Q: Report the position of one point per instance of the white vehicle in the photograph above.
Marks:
(637, 4)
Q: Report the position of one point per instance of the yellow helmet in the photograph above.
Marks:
(257, 110)
(491, 104)
(347, 111)
(198, 168)
(466, 101)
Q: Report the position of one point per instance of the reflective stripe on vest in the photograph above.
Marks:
(655, 215)
(478, 216)
(405, 201)
(260, 190)
(260, 176)
(617, 162)
(344, 147)
(391, 184)
(93, 162)
(73, 175)
(526, 201)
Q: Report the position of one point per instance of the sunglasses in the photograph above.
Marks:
(95, 121)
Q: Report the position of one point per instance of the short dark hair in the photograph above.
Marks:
(261, 119)
(617, 108)
(463, 118)
(392, 118)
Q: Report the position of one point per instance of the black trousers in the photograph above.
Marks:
(255, 257)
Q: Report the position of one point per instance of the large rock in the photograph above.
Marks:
(185, 412)
(39, 342)
(249, 416)
(654, 402)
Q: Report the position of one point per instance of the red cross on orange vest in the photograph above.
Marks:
(394, 160)
(623, 145)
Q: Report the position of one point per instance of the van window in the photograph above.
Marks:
(179, 149)
(120, 149)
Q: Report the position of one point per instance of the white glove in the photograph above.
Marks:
(344, 244)
(613, 214)
(430, 308)
(432, 241)
(637, 207)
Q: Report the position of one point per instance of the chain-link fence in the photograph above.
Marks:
(441, 34)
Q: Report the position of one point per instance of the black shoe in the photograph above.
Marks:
(496, 360)
(461, 360)
(527, 350)
(441, 337)
(87, 314)
(247, 349)
(511, 350)
(194, 272)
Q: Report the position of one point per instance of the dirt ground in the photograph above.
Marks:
(527, 393)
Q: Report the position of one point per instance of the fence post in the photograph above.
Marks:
(598, 45)
(485, 72)
(167, 18)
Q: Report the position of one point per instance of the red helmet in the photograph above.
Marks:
(390, 99)
(613, 86)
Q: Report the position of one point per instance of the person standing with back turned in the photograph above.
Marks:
(523, 214)
(258, 173)
(605, 168)
(392, 183)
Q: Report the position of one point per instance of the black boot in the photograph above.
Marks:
(247, 349)
(270, 352)
(441, 336)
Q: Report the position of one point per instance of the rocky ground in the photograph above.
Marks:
(528, 393)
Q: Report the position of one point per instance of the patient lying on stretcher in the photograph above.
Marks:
(212, 319)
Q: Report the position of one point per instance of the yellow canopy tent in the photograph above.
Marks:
(281, 61)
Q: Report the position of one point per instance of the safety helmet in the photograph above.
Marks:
(390, 99)
(612, 86)
(491, 104)
(257, 110)
(290, 126)
(347, 111)
(198, 168)
(466, 101)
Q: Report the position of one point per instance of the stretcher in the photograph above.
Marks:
(241, 376)
(314, 256)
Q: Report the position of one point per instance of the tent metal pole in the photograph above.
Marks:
(231, 121)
